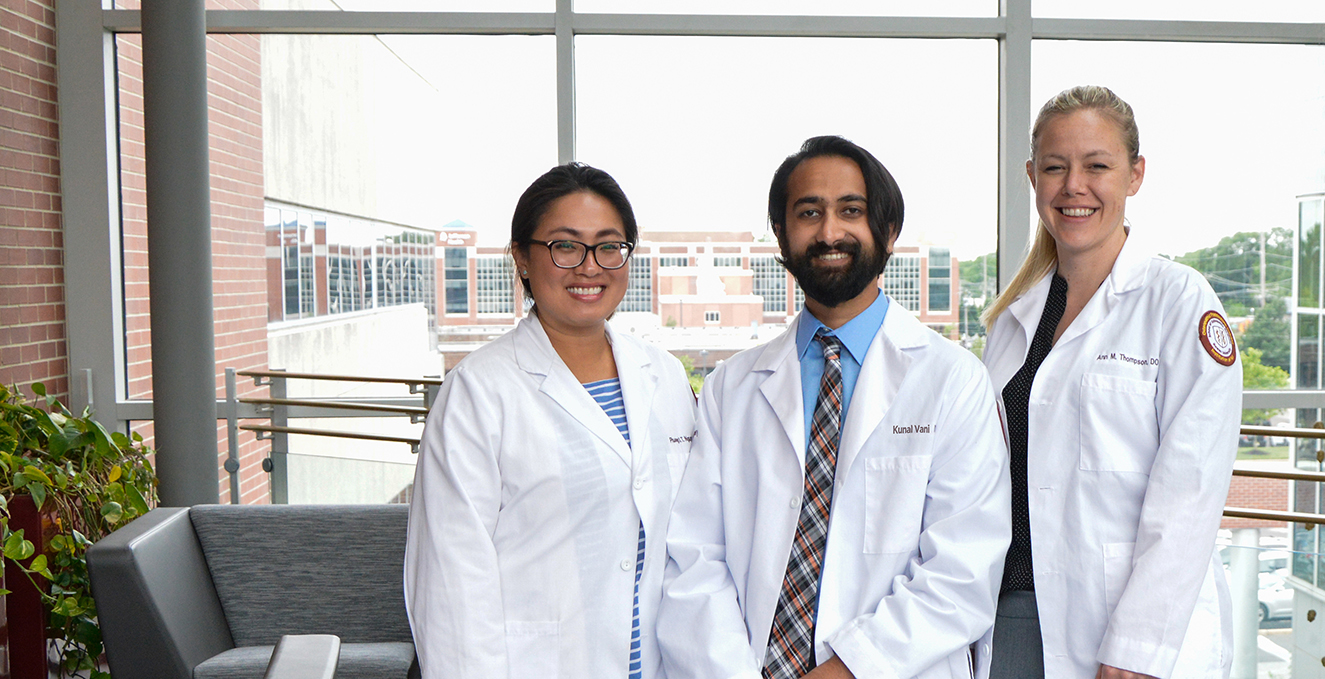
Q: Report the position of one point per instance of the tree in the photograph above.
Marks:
(1233, 267)
(979, 286)
(1256, 375)
(1270, 334)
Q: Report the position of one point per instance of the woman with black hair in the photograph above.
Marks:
(546, 473)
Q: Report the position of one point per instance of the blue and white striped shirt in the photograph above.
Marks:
(608, 395)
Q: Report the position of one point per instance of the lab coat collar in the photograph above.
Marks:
(881, 376)
(638, 384)
(1128, 273)
(535, 355)
(1028, 308)
(782, 387)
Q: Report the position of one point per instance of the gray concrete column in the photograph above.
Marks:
(179, 244)
(1244, 564)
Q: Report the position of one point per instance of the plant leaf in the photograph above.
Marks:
(38, 388)
(115, 473)
(38, 493)
(13, 544)
(18, 549)
(38, 563)
(35, 473)
(136, 499)
(112, 511)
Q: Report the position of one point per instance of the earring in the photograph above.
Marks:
(524, 272)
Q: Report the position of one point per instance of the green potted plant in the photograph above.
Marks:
(85, 482)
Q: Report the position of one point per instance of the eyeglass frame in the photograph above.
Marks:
(630, 250)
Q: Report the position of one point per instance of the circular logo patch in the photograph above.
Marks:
(1217, 338)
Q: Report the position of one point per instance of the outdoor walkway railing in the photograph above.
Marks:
(279, 409)
(1294, 475)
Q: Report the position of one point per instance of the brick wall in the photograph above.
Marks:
(238, 251)
(1251, 493)
(32, 340)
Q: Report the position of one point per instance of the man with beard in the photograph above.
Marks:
(845, 508)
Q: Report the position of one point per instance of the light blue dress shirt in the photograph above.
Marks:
(856, 336)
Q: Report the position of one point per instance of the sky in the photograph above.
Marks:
(693, 128)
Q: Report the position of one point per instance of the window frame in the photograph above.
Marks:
(89, 130)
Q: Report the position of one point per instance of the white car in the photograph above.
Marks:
(1274, 594)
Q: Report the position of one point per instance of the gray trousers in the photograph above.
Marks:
(1018, 651)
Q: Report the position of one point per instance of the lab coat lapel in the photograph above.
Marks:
(639, 380)
(1028, 308)
(782, 387)
(535, 355)
(881, 376)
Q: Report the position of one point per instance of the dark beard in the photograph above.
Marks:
(832, 288)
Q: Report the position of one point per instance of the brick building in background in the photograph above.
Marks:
(32, 292)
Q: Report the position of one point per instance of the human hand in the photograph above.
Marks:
(1111, 672)
(833, 669)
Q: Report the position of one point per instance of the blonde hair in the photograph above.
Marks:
(1042, 256)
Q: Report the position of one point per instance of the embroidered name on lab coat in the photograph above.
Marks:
(1134, 360)
(913, 428)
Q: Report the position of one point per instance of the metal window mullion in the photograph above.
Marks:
(1179, 31)
(1014, 121)
(565, 20)
(90, 211)
(719, 25)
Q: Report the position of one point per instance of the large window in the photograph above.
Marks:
(770, 282)
(639, 292)
(495, 285)
(456, 268)
(940, 279)
(901, 280)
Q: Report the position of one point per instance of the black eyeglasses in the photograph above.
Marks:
(568, 254)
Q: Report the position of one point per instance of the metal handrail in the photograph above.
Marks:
(1272, 474)
(1310, 520)
(1293, 432)
(412, 411)
(330, 433)
(410, 381)
(1272, 515)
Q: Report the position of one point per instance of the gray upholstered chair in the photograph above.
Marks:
(206, 592)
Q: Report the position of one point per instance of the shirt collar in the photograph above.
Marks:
(856, 334)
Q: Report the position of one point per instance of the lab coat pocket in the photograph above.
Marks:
(894, 502)
(1117, 570)
(1119, 427)
(532, 649)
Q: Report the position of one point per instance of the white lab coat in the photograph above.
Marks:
(1132, 435)
(524, 528)
(919, 525)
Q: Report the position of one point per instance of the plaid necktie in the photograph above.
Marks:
(791, 645)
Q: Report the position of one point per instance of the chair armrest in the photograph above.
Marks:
(304, 656)
(159, 613)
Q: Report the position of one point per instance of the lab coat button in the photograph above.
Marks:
(795, 503)
(626, 564)
(639, 483)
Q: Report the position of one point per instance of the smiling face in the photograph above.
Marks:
(827, 241)
(1082, 177)
(574, 301)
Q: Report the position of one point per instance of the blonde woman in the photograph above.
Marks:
(1121, 387)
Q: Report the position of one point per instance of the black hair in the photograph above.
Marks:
(884, 207)
(561, 181)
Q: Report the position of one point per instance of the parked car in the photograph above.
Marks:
(1273, 593)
